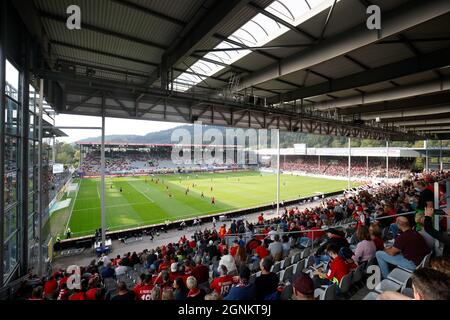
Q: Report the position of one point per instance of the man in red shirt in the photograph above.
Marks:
(222, 284)
(140, 284)
(164, 265)
(262, 251)
(261, 218)
(91, 294)
(50, 287)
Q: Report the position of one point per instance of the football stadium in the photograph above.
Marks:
(249, 151)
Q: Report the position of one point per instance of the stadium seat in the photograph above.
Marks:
(326, 292)
(309, 262)
(280, 276)
(371, 296)
(288, 274)
(400, 276)
(425, 261)
(276, 267)
(285, 263)
(408, 292)
(345, 284)
(305, 253)
(358, 274)
(295, 258)
(287, 292)
(388, 285)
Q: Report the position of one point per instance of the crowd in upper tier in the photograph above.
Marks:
(287, 257)
(375, 168)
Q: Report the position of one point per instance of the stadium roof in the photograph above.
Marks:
(146, 145)
(51, 131)
(309, 66)
(360, 152)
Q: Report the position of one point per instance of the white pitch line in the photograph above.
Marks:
(142, 193)
(114, 206)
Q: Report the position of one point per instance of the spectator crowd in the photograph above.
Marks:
(389, 225)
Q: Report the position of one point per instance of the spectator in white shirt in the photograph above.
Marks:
(228, 261)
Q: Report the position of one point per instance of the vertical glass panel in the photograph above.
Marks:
(12, 81)
(10, 222)
(10, 255)
(32, 124)
(11, 153)
(31, 204)
(10, 188)
(11, 117)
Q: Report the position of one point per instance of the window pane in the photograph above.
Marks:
(10, 188)
(11, 117)
(10, 222)
(31, 183)
(32, 123)
(10, 256)
(11, 151)
(12, 81)
(31, 204)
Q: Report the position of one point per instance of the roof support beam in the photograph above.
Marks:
(54, 17)
(423, 102)
(400, 19)
(440, 85)
(434, 60)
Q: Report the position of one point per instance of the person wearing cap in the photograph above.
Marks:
(303, 288)
(336, 238)
(244, 290)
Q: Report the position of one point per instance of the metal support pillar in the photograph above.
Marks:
(387, 161)
(367, 166)
(24, 150)
(39, 193)
(278, 171)
(349, 163)
(318, 163)
(441, 160)
(102, 173)
(426, 155)
(447, 197)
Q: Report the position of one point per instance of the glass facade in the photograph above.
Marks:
(11, 196)
(15, 198)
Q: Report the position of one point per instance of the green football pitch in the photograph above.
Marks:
(139, 201)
